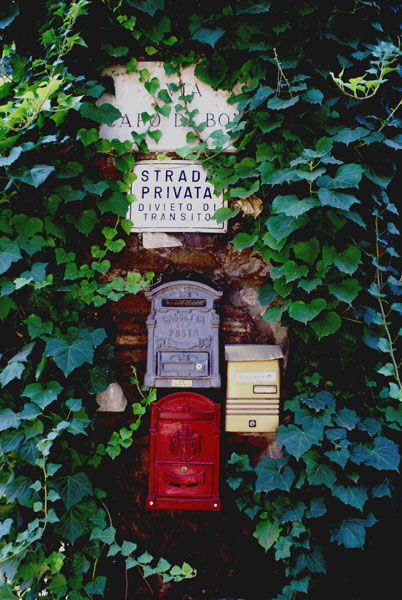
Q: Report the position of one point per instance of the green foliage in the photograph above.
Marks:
(316, 160)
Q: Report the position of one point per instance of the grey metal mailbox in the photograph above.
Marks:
(183, 330)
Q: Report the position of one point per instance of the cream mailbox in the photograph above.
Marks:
(253, 388)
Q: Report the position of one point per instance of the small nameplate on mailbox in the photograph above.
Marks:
(256, 377)
(182, 383)
(183, 329)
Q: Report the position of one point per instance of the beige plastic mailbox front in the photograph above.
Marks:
(253, 388)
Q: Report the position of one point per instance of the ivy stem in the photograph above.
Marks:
(281, 74)
(381, 304)
(391, 114)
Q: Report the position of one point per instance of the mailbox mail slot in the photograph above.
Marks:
(183, 336)
(253, 388)
(184, 460)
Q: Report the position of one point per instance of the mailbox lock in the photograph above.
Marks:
(184, 469)
(198, 366)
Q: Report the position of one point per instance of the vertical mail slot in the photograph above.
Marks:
(253, 388)
(184, 459)
(183, 330)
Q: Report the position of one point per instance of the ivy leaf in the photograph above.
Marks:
(274, 313)
(245, 192)
(395, 143)
(128, 547)
(383, 456)
(264, 120)
(69, 170)
(266, 533)
(224, 213)
(339, 456)
(10, 252)
(97, 586)
(74, 521)
(58, 585)
(318, 473)
(72, 488)
(10, 440)
(352, 532)
(266, 294)
(246, 167)
(212, 71)
(317, 508)
(36, 327)
(277, 103)
(345, 290)
(348, 136)
(346, 418)
(88, 136)
(293, 271)
(335, 199)
(244, 240)
(42, 396)
(12, 157)
(69, 355)
(270, 476)
(104, 114)
(297, 441)
(348, 260)
(326, 323)
(12, 371)
(314, 96)
(312, 560)
(8, 419)
(346, 176)
(150, 7)
(37, 175)
(86, 221)
(291, 206)
(306, 311)
(208, 36)
(307, 251)
(320, 401)
(352, 495)
(281, 226)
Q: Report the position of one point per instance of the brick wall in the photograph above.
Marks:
(229, 561)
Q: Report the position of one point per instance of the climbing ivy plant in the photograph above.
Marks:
(312, 186)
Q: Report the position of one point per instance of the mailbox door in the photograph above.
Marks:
(184, 461)
(253, 379)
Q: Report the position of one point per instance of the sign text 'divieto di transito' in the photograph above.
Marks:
(171, 195)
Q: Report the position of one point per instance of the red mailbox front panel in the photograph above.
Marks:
(184, 461)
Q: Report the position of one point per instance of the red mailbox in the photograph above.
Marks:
(184, 460)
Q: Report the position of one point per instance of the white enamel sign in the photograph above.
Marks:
(173, 196)
(132, 99)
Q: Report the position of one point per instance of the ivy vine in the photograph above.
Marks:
(312, 184)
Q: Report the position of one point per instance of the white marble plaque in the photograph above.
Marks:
(132, 99)
(173, 195)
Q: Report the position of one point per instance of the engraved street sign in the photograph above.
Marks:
(173, 196)
(133, 100)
